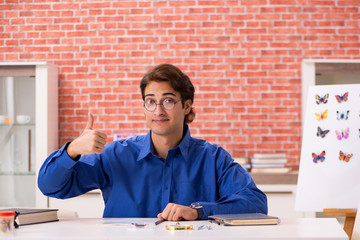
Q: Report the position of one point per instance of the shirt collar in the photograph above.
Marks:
(185, 142)
(149, 148)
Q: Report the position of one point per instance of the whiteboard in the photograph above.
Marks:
(329, 172)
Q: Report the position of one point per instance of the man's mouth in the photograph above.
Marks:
(160, 120)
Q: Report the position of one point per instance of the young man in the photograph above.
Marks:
(165, 174)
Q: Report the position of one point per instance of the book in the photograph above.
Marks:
(271, 170)
(269, 160)
(242, 160)
(267, 165)
(269, 155)
(244, 219)
(33, 215)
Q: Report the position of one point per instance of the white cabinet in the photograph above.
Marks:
(281, 201)
(28, 129)
(88, 205)
(280, 190)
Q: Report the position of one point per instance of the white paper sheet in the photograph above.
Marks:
(332, 183)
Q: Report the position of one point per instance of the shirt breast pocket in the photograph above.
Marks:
(188, 193)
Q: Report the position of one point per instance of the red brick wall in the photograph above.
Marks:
(244, 57)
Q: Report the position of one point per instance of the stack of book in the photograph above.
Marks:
(269, 163)
(245, 162)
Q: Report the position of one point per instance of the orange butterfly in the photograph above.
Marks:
(345, 157)
(320, 116)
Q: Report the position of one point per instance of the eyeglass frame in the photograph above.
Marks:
(161, 103)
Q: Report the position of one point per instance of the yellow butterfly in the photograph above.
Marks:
(320, 116)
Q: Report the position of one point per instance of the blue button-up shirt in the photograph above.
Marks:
(135, 182)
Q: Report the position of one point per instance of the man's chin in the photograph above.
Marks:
(160, 132)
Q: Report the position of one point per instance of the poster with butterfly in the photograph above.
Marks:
(330, 153)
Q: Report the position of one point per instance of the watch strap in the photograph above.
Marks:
(199, 208)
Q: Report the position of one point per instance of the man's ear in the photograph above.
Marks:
(187, 106)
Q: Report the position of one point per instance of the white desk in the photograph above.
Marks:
(90, 228)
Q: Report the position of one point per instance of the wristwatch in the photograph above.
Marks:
(199, 209)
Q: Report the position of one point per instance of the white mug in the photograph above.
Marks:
(23, 119)
(2, 119)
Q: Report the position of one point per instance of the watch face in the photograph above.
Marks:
(195, 205)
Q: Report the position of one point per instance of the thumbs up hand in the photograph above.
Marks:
(90, 141)
(90, 122)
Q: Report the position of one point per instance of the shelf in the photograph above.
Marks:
(17, 174)
(18, 125)
(28, 89)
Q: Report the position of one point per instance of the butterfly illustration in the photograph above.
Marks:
(320, 116)
(320, 157)
(322, 99)
(342, 98)
(322, 133)
(345, 157)
(342, 115)
(342, 134)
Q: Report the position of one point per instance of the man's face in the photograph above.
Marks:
(161, 121)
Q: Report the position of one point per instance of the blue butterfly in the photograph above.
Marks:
(320, 157)
(342, 115)
(322, 99)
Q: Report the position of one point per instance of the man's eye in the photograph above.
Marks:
(168, 100)
(149, 101)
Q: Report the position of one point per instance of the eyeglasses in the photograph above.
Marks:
(167, 103)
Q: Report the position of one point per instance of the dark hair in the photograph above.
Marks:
(179, 81)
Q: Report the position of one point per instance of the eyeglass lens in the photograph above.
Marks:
(168, 104)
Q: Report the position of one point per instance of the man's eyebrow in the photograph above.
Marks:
(164, 94)
(169, 93)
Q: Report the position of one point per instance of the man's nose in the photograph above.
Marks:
(159, 109)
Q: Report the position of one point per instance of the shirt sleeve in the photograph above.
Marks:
(237, 190)
(62, 177)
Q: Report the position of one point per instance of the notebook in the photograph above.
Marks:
(245, 219)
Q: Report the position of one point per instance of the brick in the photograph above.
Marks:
(254, 2)
(244, 58)
(37, 6)
(26, 56)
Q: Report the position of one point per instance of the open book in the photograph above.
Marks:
(245, 219)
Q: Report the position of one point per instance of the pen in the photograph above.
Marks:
(214, 221)
(159, 221)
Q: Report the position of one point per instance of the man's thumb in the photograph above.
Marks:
(90, 122)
